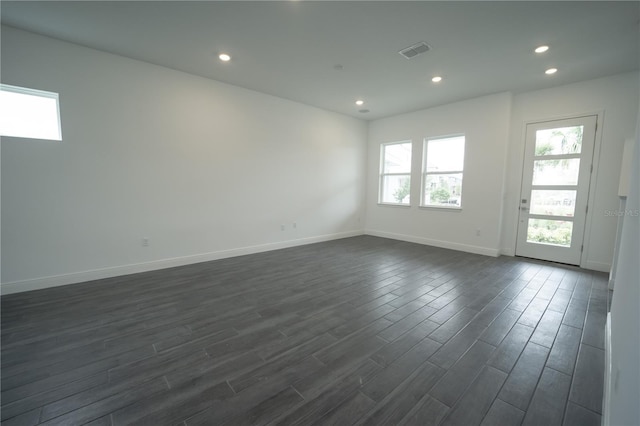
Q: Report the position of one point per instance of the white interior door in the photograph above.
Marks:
(555, 189)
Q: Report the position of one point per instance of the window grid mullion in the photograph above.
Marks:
(444, 173)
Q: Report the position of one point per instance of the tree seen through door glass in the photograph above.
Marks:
(560, 141)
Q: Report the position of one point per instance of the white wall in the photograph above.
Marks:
(485, 123)
(622, 406)
(495, 126)
(207, 170)
(203, 169)
(616, 99)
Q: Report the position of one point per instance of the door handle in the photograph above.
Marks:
(524, 208)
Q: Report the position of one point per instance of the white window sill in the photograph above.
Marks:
(394, 205)
(446, 208)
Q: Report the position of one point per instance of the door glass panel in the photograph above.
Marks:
(556, 172)
(550, 232)
(553, 203)
(563, 140)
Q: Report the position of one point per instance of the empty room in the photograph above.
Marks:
(320, 213)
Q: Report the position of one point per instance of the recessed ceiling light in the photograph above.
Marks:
(224, 57)
(541, 49)
(436, 79)
(359, 102)
(551, 71)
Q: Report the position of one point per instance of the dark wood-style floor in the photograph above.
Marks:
(356, 331)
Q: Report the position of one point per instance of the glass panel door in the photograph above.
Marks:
(555, 189)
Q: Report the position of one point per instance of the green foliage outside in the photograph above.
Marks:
(401, 193)
(549, 232)
(570, 143)
(440, 196)
(544, 149)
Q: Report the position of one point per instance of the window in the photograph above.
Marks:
(395, 173)
(29, 113)
(442, 169)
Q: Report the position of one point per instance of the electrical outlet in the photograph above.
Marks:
(478, 232)
(145, 242)
(295, 225)
(282, 227)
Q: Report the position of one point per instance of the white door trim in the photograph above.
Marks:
(515, 205)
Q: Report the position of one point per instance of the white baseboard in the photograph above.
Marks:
(606, 397)
(97, 274)
(596, 266)
(486, 251)
(507, 251)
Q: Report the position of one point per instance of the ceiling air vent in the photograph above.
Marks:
(415, 50)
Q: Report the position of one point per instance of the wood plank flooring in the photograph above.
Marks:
(363, 330)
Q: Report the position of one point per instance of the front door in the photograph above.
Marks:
(555, 189)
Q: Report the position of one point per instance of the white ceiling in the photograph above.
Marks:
(290, 48)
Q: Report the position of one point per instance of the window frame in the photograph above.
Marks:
(382, 173)
(42, 94)
(425, 174)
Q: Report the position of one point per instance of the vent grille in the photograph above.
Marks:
(415, 50)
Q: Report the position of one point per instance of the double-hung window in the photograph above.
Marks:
(395, 173)
(442, 170)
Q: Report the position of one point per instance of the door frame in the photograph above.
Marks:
(515, 202)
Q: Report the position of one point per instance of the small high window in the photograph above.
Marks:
(442, 170)
(395, 173)
(29, 113)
